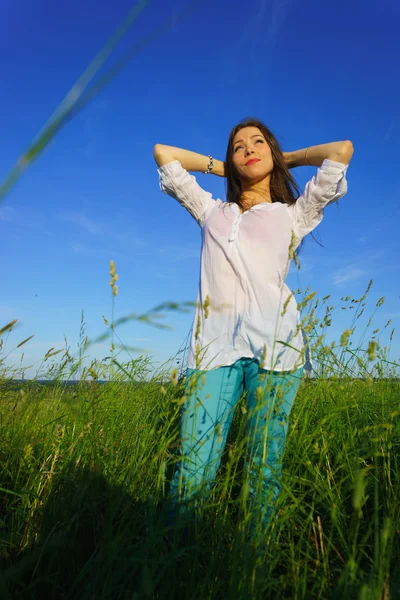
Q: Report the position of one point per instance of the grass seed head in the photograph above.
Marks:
(345, 336)
(371, 350)
(206, 307)
(286, 303)
(24, 341)
(114, 278)
(198, 327)
(93, 373)
(8, 327)
(263, 357)
(174, 376)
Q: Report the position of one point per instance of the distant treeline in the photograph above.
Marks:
(18, 383)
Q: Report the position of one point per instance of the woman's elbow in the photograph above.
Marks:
(347, 152)
(157, 149)
(343, 152)
(162, 154)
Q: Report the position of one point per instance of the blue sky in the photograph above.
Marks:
(312, 72)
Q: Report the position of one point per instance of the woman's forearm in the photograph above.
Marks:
(191, 161)
(339, 151)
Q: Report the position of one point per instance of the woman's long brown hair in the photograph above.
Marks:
(283, 187)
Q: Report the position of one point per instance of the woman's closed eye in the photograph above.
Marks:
(237, 147)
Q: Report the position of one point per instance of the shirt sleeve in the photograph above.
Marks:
(327, 186)
(179, 184)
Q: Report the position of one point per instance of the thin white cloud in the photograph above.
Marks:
(276, 19)
(22, 218)
(305, 266)
(166, 273)
(131, 239)
(81, 220)
(260, 35)
(269, 19)
(8, 314)
(180, 252)
(389, 130)
(390, 315)
(95, 251)
(92, 126)
(82, 249)
(347, 274)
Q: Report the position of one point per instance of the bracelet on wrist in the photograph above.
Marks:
(210, 165)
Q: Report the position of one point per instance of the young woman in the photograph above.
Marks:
(247, 335)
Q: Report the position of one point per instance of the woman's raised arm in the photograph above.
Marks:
(338, 151)
(191, 161)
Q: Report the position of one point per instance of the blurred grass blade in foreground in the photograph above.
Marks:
(77, 97)
(59, 117)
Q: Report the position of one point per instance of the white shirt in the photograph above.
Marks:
(244, 264)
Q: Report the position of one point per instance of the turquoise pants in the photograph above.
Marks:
(210, 401)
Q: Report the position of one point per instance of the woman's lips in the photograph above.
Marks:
(252, 160)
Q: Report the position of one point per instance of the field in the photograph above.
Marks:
(84, 472)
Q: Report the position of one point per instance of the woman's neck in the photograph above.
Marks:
(255, 193)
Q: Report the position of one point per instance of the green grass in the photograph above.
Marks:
(85, 470)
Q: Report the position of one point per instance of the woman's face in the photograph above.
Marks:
(248, 145)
